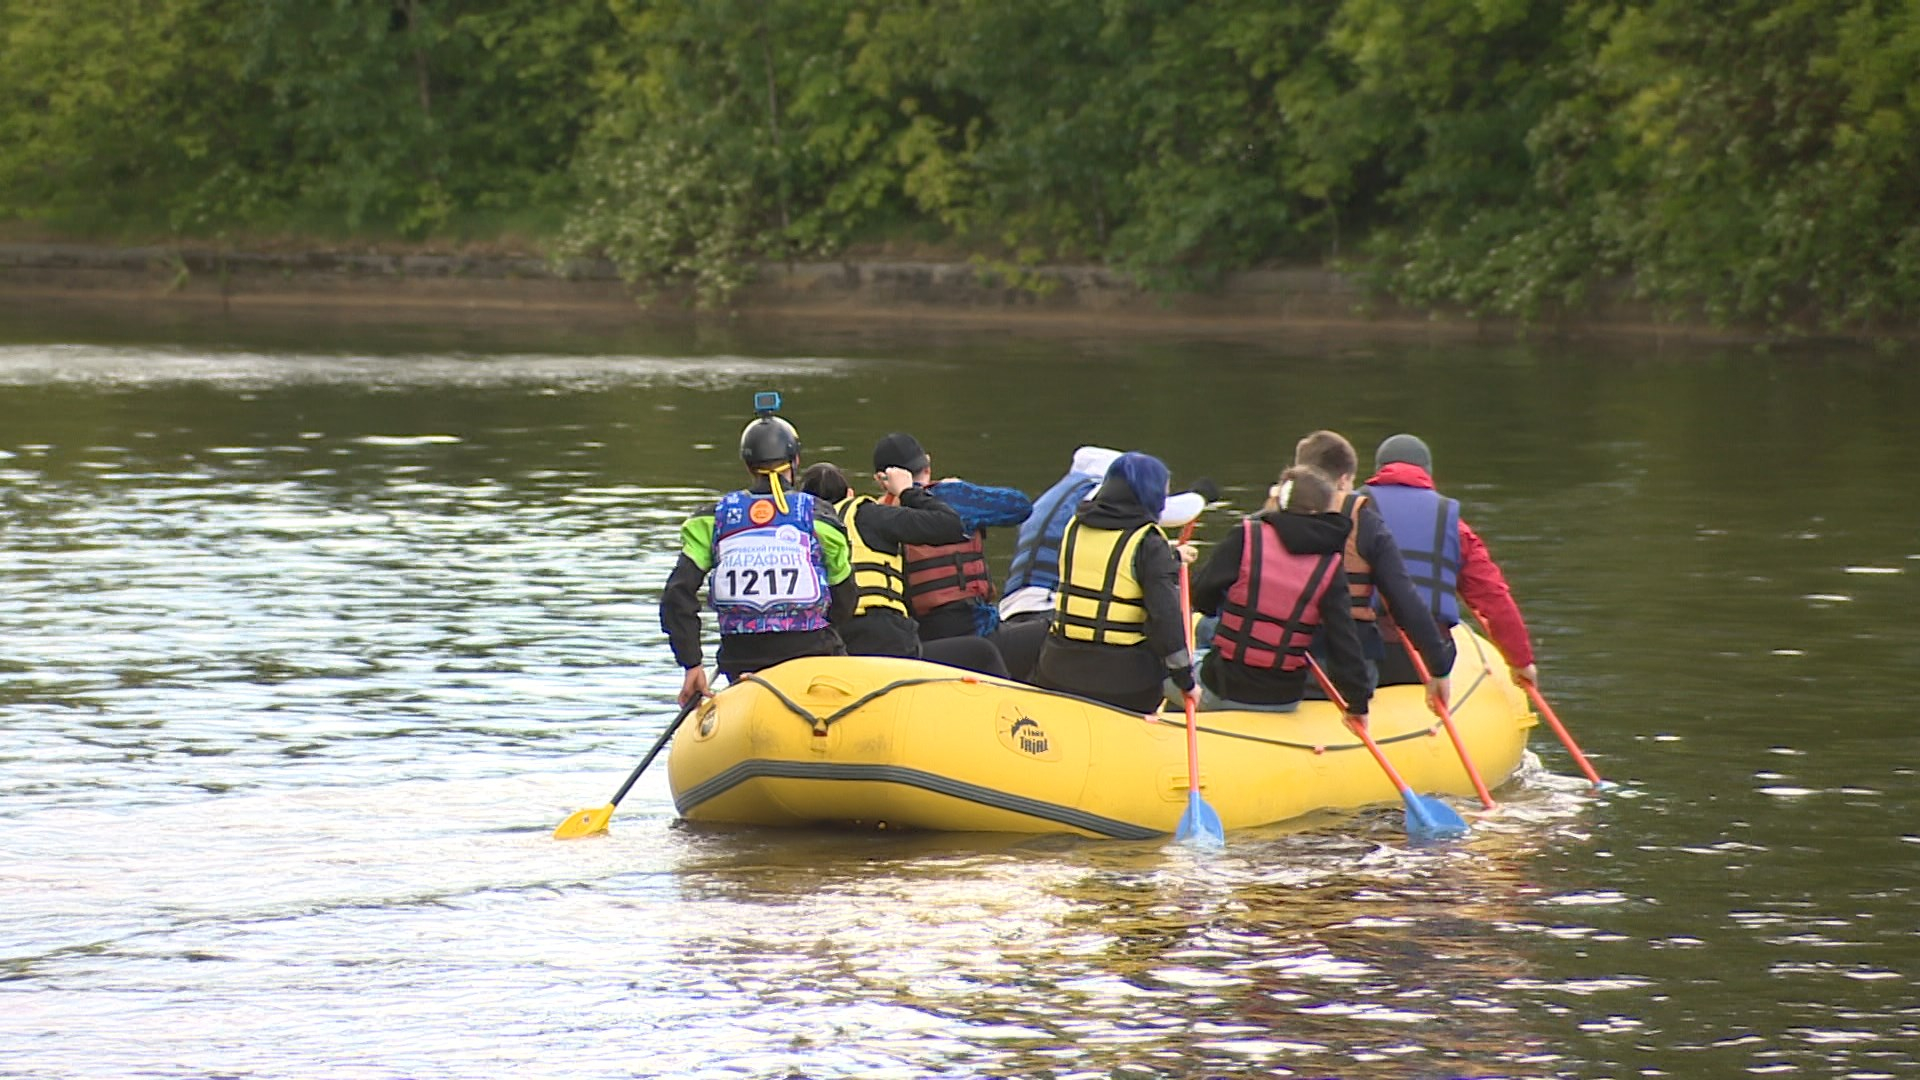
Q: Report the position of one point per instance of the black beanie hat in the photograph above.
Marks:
(899, 449)
(1403, 448)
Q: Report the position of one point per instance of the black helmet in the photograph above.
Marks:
(769, 441)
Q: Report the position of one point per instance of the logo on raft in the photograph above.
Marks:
(1029, 734)
(1024, 735)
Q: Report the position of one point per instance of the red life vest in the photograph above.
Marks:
(940, 574)
(1359, 570)
(1272, 609)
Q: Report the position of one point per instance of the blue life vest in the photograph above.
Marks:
(1036, 556)
(1426, 526)
(769, 575)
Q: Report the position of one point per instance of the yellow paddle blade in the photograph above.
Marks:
(585, 823)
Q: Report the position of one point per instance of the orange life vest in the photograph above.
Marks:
(940, 574)
(1359, 570)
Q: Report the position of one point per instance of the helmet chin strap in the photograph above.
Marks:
(773, 478)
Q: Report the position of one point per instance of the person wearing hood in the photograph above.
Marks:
(1034, 574)
(1446, 559)
(1274, 582)
(1029, 595)
(1117, 633)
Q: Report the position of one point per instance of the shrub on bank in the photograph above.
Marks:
(1752, 162)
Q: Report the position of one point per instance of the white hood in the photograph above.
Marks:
(1092, 462)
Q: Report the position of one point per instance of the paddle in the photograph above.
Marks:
(1200, 824)
(1427, 818)
(1579, 758)
(1566, 740)
(590, 822)
(1446, 720)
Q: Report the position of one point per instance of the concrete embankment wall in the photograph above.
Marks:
(485, 287)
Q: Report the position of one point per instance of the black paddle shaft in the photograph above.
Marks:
(658, 745)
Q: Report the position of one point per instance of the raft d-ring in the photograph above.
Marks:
(1318, 750)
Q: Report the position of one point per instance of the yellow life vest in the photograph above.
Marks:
(1100, 599)
(880, 578)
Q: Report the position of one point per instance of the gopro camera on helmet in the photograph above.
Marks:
(768, 440)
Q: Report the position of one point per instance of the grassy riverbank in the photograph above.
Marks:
(465, 283)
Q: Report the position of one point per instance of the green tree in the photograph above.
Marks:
(111, 111)
(333, 115)
(1755, 160)
(727, 131)
(1770, 166)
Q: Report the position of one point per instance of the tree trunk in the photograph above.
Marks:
(421, 73)
(773, 123)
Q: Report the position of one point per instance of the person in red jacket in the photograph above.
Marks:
(1377, 580)
(1446, 559)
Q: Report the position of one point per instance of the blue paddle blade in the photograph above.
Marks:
(1200, 825)
(1431, 819)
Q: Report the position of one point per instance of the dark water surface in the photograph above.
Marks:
(314, 633)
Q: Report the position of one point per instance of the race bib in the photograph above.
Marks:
(761, 568)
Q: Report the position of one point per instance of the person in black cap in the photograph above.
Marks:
(1446, 559)
(949, 589)
(878, 531)
(775, 563)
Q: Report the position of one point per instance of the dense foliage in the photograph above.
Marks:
(1755, 159)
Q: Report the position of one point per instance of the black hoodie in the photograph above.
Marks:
(919, 518)
(1120, 674)
(1301, 534)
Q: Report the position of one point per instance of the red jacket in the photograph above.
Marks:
(1482, 587)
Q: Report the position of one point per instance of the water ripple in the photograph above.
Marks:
(308, 653)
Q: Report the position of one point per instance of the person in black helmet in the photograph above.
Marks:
(775, 563)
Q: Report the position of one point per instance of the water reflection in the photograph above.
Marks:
(309, 650)
(1308, 951)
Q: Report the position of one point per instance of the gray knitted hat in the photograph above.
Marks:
(1406, 448)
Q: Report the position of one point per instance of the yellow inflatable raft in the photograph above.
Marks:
(887, 743)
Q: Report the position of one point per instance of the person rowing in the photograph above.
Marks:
(1377, 580)
(1117, 634)
(774, 561)
(881, 623)
(1033, 578)
(1448, 562)
(1275, 583)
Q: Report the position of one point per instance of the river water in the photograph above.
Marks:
(315, 632)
